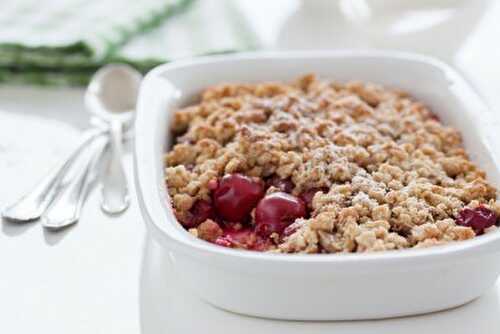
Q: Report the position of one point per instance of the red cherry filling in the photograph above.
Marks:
(308, 195)
(223, 241)
(284, 185)
(243, 238)
(478, 219)
(276, 211)
(235, 197)
(201, 211)
(290, 229)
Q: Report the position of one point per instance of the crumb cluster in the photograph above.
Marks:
(384, 172)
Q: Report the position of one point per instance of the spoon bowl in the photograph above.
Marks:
(112, 93)
(111, 98)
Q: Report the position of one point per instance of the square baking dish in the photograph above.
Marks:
(321, 286)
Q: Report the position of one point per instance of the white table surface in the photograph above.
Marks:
(105, 275)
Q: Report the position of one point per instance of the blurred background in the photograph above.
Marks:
(459, 32)
(64, 41)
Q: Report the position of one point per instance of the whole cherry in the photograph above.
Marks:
(478, 219)
(277, 211)
(236, 196)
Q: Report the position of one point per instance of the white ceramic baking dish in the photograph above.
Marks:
(318, 287)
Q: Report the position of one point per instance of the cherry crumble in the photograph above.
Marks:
(317, 166)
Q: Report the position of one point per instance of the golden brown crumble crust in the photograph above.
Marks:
(395, 177)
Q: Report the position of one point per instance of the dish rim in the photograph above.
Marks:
(149, 196)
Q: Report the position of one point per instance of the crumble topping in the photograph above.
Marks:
(375, 168)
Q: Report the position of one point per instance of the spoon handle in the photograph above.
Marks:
(66, 208)
(34, 203)
(115, 197)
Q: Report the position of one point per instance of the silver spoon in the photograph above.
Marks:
(112, 97)
(34, 203)
(66, 207)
